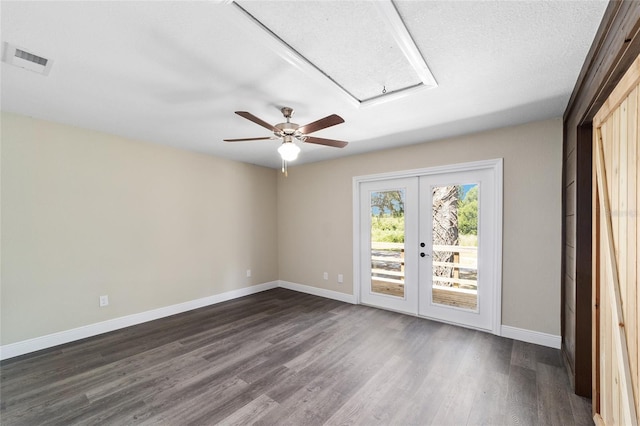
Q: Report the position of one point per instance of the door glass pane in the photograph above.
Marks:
(387, 242)
(455, 246)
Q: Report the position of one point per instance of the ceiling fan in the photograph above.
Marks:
(289, 131)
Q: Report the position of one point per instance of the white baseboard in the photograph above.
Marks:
(515, 333)
(31, 345)
(530, 336)
(316, 291)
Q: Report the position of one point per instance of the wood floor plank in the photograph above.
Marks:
(581, 409)
(336, 379)
(287, 358)
(489, 406)
(118, 412)
(524, 415)
(198, 407)
(251, 412)
(340, 342)
(280, 354)
(457, 401)
(52, 393)
(360, 407)
(523, 355)
(554, 406)
(522, 386)
(421, 407)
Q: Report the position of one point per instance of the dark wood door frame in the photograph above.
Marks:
(616, 45)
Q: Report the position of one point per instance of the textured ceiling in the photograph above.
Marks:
(174, 72)
(349, 41)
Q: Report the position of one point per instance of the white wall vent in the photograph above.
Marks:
(22, 58)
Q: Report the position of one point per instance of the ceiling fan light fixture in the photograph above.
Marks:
(289, 132)
(288, 150)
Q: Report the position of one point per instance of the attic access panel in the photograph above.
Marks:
(361, 46)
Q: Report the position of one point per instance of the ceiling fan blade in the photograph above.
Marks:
(323, 123)
(250, 139)
(256, 120)
(327, 142)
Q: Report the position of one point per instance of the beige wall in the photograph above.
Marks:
(315, 215)
(86, 214)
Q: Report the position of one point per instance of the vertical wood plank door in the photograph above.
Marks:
(616, 253)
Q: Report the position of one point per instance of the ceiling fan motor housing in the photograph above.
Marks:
(286, 129)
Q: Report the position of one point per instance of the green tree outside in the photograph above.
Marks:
(387, 229)
(468, 213)
(387, 216)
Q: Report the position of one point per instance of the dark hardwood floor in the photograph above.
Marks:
(286, 358)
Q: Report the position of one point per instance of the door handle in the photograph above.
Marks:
(422, 244)
(422, 255)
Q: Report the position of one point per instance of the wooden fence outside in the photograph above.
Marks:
(396, 276)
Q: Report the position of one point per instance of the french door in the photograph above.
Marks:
(389, 236)
(429, 245)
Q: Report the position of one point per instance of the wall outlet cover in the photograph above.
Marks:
(104, 301)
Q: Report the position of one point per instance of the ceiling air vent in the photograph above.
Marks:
(20, 57)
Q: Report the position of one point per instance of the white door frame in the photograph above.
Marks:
(495, 165)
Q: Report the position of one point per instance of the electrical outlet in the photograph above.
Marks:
(104, 301)
(340, 279)
(248, 273)
(325, 275)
